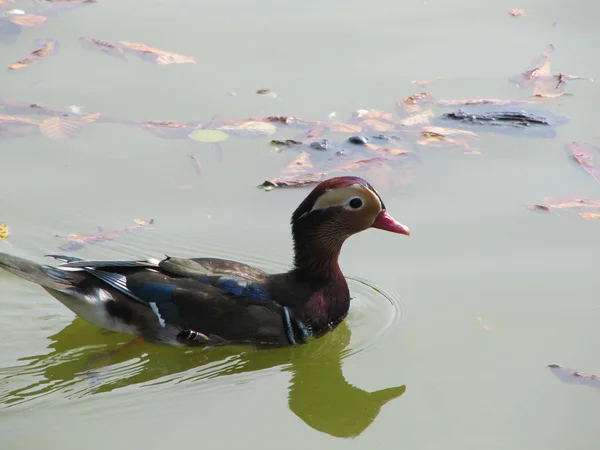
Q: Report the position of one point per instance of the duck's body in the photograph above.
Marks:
(207, 301)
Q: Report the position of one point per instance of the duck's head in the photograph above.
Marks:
(336, 209)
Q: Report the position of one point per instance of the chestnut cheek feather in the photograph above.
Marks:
(384, 221)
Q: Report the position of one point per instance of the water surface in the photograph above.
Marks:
(450, 330)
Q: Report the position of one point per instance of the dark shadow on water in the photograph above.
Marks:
(84, 360)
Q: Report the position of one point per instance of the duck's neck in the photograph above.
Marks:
(316, 253)
(316, 263)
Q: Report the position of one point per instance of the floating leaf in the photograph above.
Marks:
(422, 118)
(296, 174)
(171, 130)
(78, 241)
(478, 101)
(357, 164)
(412, 103)
(267, 92)
(28, 20)
(155, 55)
(387, 150)
(378, 115)
(572, 203)
(208, 136)
(545, 85)
(3, 232)
(251, 128)
(584, 158)
(45, 50)
(539, 208)
(571, 376)
(377, 125)
(62, 127)
(16, 121)
(425, 82)
(101, 46)
(339, 127)
(516, 12)
(589, 215)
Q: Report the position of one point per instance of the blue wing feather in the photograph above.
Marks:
(236, 286)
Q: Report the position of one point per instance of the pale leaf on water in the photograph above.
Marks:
(62, 127)
(208, 136)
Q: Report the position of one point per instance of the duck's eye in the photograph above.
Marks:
(355, 203)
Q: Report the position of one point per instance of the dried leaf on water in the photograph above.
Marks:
(339, 127)
(78, 241)
(28, 20)
(10, 120)
(584, 158)
(267, 92)
(3, 232)
(102, 46)
(539, 208)
(516, 12)
(208, 136)
(540, 78)
(484, 325)
(170, 130)
(572, 203)
(422, 118)
(62, 127)
(435, 135)
(425, 82)
(412, 103)
(377, 125)
(250, 128)
(155, 55)
(45, 50)
(296, 174)
(478, 101)
(387, 150)
(589, 215)
(571, 376)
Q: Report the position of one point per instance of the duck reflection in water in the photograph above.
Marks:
(85, 361)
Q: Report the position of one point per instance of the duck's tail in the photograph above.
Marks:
(46, 276)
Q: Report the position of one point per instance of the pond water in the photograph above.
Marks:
(450, 330)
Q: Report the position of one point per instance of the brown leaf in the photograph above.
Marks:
(101, 46)
(62, 127)
(296, 174)
(589, 215)
(516, 12)
(353, 165)
(411, 104)
(45, 50)
(478, 101)
(376, 125)
(387, 150)
(539, 208)
(425, 82)
(16, 121)
(433, 137)
(166, 129)
(572, 203)
(339, 127)
(91, 118)
(78, 241)
(584, 158)
(155, 55)
(28, 20)
(421, 118)
(378, 115)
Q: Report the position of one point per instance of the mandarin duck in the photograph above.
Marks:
(210, 301)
